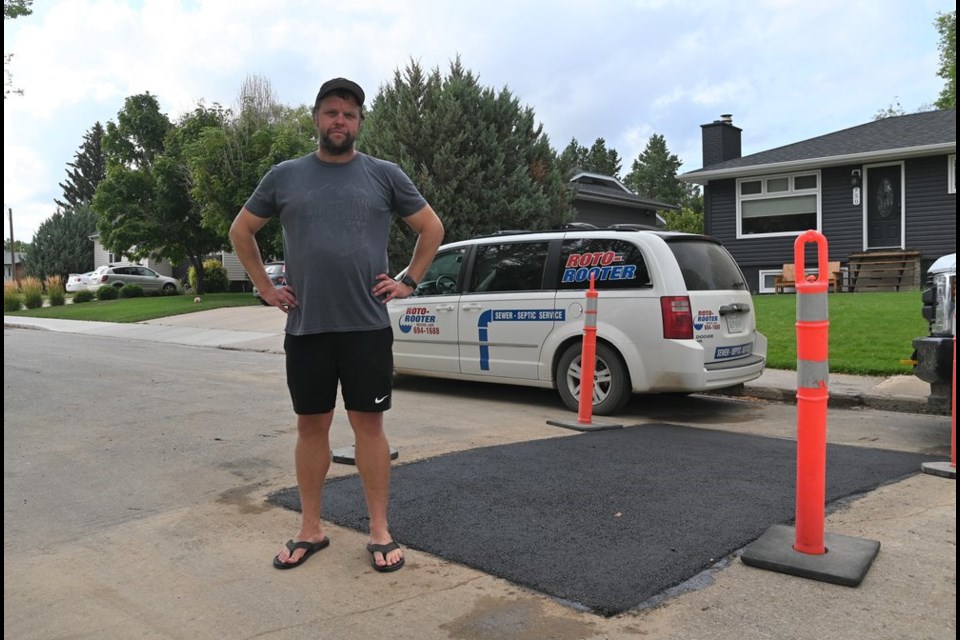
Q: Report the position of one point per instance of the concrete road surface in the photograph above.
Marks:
(135, 477)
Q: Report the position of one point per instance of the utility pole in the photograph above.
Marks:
(13, 254)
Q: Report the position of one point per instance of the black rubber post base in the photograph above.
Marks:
(576, 425)
(345, 455)
(846, 561)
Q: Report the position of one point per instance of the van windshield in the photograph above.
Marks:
(706, 265)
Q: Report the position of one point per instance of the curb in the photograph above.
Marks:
(899, 404)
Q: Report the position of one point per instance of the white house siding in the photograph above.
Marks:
(101, 257)
(235, 270)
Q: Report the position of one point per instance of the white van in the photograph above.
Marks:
(674, 314)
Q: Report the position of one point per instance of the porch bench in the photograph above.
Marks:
(788, 277)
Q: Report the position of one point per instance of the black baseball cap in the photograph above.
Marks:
(340, 83)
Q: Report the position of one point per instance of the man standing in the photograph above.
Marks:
(335, 206)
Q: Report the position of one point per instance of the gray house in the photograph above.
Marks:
(13, 268)
(883, 194)
(604, 201)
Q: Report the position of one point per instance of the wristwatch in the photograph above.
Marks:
(407, 280)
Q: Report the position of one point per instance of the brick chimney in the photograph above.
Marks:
(721, 140)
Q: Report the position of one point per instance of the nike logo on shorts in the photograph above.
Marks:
(380, 400)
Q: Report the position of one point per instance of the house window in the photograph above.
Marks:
(952, 173)
(767, 280)
(778, 205)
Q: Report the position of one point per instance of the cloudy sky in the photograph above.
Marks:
(620, 70)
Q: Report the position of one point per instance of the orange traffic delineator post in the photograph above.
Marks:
(805, 550)
(588, 371)
(948, 469)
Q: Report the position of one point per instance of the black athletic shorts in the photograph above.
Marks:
(361, 362)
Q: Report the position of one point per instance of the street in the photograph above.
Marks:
(135, 475)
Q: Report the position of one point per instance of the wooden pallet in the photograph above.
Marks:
(883, 271)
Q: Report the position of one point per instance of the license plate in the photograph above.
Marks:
(734, 322)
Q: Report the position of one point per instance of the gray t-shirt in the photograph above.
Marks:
(336, 226)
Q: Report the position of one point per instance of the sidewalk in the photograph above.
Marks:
(259, 328)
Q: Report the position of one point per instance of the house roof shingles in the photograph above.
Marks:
(929, 131)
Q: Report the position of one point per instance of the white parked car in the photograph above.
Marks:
(78, 281)
(118, 275)
(674, 314)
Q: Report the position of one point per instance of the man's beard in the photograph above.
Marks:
(335, 149)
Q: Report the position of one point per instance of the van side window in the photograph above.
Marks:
(514, 266)
(443, 276)
(615, 264)
(706, 266)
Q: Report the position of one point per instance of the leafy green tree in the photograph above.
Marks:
(686, 219)
(227, 162)
(62, 244)
(597, 159)
(145, 206)
(136, 138)
(477, 156)
(892, 110)
(946, 24)
(19, 246)
(13, 9)
(947, 27)
(88, 169)
(16, 8)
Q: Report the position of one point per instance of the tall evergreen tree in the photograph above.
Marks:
(477, 156)
(62, 244)
(86, 172)
(654, 176)
(572, 159)
(602, 160)
(597, 159)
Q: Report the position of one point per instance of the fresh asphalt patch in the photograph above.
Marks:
(604, 520)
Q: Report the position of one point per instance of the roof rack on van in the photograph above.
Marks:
(636, 227)
(577, 226)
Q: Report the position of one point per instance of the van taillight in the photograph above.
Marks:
(677, 319)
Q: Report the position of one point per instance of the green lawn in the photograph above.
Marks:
(139, 309)
(870, 333)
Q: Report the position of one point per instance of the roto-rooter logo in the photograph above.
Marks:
(601, 264)
(418, 320)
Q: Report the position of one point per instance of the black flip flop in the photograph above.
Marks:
(385, 549)
(311, 547)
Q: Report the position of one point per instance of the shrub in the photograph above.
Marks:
(131, 291)
(32, 290)
(215, 278)
(12, 301)
(56, 293)
(107, 292)
(84, 295)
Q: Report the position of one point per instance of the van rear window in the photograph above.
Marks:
(615, 264)
(706, 265)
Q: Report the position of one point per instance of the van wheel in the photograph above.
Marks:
(611, 388)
